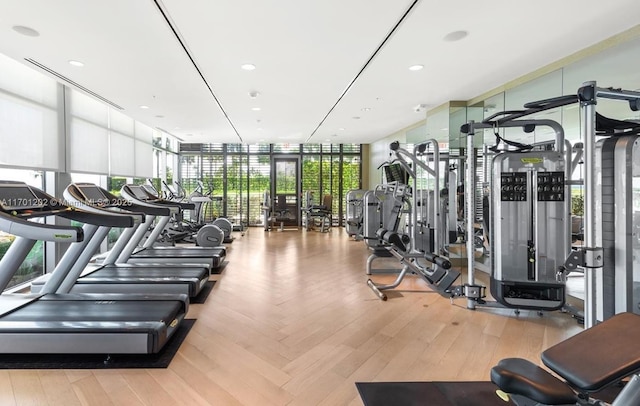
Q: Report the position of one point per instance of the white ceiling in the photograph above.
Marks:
(306, 52)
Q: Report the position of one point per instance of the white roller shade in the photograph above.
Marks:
(29, 134)
(143, 160)
(121, 155)
(120, 122)
(29, 118)
(88, 149)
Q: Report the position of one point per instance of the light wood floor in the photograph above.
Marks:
(292, 322)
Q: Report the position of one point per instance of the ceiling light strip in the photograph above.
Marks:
(161, 8)
(71, 82)
(373, 55)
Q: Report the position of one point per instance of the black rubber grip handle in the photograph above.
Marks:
(440, 261)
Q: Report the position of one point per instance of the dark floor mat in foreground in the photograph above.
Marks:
(443, 393)
(99, 361)
(204, 293)
(429, 393)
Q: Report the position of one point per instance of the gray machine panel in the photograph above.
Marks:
(529, 215)
(355, 212)
(383, 208)
(618, 219)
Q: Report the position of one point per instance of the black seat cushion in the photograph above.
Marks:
(598, 356)
(521, 377)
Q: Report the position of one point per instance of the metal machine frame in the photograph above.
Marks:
(439, 274)
(538, 281)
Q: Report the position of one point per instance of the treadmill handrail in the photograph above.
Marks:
(58, 207)
(111, 203)
(155, 201)
(39, 231)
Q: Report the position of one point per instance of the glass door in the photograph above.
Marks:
(286, 190)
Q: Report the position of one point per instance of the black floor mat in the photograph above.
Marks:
(443, 393)
(429, 394)
(99, 361)
(204, 293)
(219, 269)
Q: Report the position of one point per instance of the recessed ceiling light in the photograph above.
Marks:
(341, 129)
(144, 107)
(356, 118)
(189, 135)
(256, 108)
(253, 94)
(334, 135)
(366, 109)
(159, 116)
(76, 63)
(416, 67)
(455, 36)
(248, 66)
(29, 32)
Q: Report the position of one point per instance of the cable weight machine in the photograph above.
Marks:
(530, 227)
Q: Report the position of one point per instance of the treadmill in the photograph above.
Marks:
(122, 278)
(127, 248)
(136, 194)
(73, 323)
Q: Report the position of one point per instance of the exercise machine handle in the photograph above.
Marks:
(438, 260)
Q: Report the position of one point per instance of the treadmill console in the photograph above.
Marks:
(138, 192)
(93, 195)
(19, 196)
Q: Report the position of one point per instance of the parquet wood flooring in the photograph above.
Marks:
(291, 321)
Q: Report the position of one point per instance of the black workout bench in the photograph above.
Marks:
(588, 362)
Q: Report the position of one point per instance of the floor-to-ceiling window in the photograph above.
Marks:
(239, 175)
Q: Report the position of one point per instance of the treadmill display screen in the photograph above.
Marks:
(19, 197)
(150, 189)
(93, 194)
(138, 192)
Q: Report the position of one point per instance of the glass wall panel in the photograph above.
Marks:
(172, 167)
(544, 87)
(237, 193)
(259, 182)
(311, 148)
(286, 148)
(259, 148)
(237, 148)
(311, 178)
(213, 177)
(240, 177)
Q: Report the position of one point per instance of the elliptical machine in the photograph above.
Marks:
(200, 199)
(203, 235)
